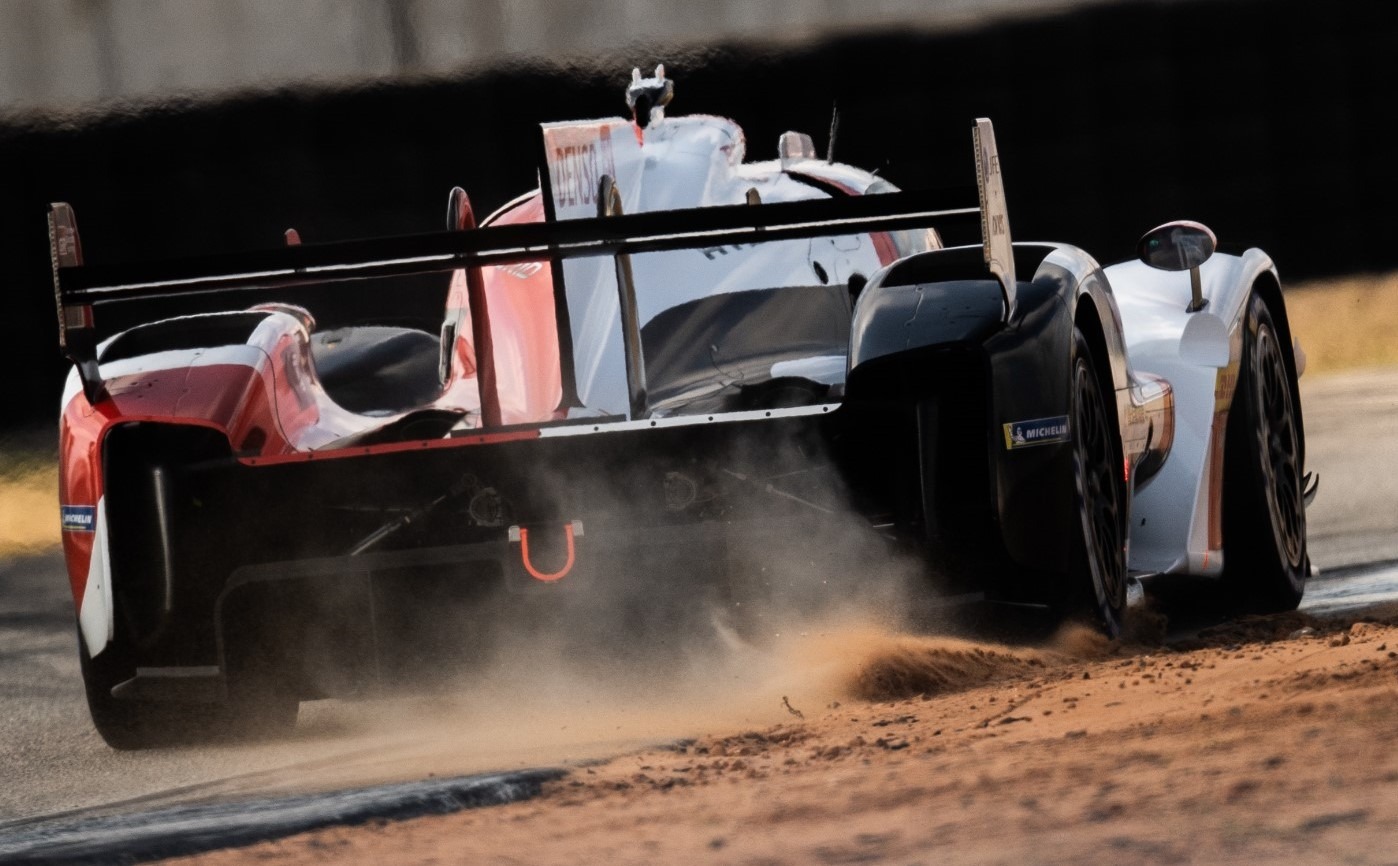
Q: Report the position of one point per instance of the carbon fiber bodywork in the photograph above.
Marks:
(930, 331)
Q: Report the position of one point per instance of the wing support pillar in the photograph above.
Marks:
(460, 217)
(609, 204)
(563, 321)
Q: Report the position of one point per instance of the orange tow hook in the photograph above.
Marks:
(521, 535)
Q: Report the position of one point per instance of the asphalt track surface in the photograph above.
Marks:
(61, 779)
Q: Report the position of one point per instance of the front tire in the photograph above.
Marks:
(1098, 585)
(1264, 513)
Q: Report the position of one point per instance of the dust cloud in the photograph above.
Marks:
(546, 696)
(570, 674)
(797, 607)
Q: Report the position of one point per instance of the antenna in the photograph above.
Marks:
(834, 130)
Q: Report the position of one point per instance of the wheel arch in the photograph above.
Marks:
(1089, 321)
(140, 463)
(1110, 365)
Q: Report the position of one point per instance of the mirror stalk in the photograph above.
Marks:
(1197, 300)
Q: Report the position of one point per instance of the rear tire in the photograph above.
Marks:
(127, 724)
(1264, 515)
(1098, 581)
(140, 461)
(257, 707)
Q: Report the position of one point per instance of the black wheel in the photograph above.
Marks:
(131, 724)
(258, 705)
(1099, 555)
(141, 462)
(122, 724)
(1264, 515)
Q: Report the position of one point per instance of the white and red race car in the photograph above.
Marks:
(656, 363)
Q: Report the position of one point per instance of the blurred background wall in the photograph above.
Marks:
(1270, 120)
(75, 53)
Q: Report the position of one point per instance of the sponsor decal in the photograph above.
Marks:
(712, 253)
(1224, 387)
(1040, 431)
(578, 156)
(523, 270)
(79, 518)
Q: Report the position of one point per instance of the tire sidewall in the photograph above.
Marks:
(1103, 598)
(1261, 574)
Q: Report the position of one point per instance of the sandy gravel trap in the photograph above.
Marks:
(1264, 740)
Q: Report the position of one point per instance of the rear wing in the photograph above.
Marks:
(80, 288)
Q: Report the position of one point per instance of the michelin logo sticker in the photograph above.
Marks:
(79, 518)
(1040, 431)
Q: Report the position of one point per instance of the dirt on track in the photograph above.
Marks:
(1265, 740)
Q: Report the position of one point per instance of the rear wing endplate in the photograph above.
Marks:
(995, 216)
(77, 332)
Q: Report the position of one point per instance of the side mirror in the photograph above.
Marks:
(1179, 246)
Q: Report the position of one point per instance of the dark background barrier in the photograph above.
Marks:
(1270, 120)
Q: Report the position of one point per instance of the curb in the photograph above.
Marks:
(142, 836)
